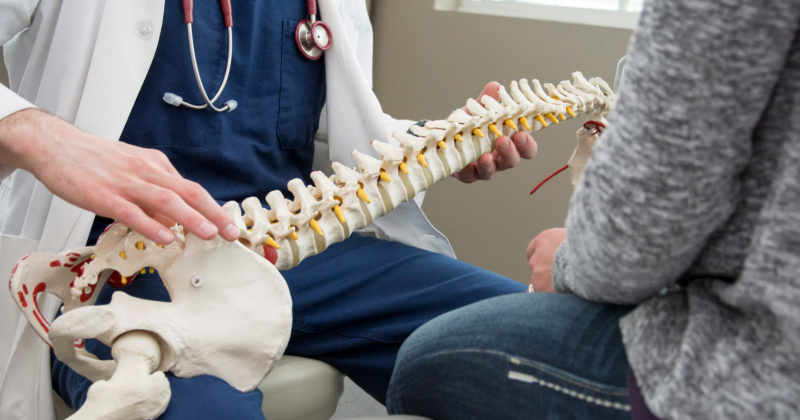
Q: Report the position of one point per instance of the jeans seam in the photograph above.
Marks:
(528, 378)
(554, 372)
(516, 360)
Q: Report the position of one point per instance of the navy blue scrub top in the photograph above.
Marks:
(268, 139)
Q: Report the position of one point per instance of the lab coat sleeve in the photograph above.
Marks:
(15, 15)
(10, 103)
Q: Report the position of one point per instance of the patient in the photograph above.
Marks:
(679, 271)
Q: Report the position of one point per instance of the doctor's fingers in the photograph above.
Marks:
(525, 144)
(134, 217)
(184, 202)
(492, 89)
(482, 169)
(152, 157)
(200, 200)
(505, 154)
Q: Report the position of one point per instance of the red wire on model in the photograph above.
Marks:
(548, 178)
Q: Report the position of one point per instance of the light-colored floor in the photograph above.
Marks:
(356, 403)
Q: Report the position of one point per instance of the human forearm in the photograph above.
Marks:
(138, 187)
(10, 103)
(666, 172)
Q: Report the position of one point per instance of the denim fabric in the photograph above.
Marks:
(353, 306)
(542, 355)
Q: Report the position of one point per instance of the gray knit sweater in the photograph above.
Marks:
(695, 186)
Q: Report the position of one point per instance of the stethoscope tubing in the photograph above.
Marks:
(309, 27)
(209, 102)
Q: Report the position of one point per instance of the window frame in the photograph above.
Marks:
(619, 19)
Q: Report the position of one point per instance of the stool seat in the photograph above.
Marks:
(296, 389)
(301, 389)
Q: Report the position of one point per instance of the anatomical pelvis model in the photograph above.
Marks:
(230, 313)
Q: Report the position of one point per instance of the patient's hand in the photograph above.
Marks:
(541, 252)
(506, 155)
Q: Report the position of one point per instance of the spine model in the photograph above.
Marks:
(331, 210)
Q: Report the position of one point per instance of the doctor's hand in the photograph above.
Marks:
(137, 187)
(507, 152)
(540, 253)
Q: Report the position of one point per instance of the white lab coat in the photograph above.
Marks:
(85, 62)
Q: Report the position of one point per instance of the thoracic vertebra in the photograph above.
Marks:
(332, 209)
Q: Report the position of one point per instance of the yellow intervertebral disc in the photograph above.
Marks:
(477, 131)
(124, 280)
(404, 168)
(339, 213)
(541, 120)
(562, 116)
(511, 124)
(422, 161)
(271, 242)
(92, 258)
(139, 245)
(571, 112)
(493, 129)
(524, 121)
(552, 117)
(458, 137)
(152, 270)
(122, 254)
(442, 145)
(385, 176)
(314, 225)
(363, 195)
(142, 271)
(294, 235)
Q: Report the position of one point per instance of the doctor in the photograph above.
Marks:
(102, 69)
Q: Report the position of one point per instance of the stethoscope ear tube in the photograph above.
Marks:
(312, 38)
(188, 16)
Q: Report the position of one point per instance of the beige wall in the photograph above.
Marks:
(429, 62)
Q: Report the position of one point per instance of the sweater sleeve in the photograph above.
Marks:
(665, 174)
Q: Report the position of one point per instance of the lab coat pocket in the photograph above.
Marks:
(302, 93)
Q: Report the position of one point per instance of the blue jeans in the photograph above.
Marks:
(353, 306)
(522, 356)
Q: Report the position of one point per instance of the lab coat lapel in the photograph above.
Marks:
(355, 116)
(126, 43)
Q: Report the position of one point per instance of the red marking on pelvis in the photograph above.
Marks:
(73, 259)
(80, 343)
(22, 300)
(37, 313)
(115, 280)
(14, 270)
(42, 322)
(270, 253)
(55, 263)
(25, 288)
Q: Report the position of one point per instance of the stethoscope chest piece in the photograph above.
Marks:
(312, 36)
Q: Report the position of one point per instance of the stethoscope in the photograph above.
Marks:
(313, 37)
